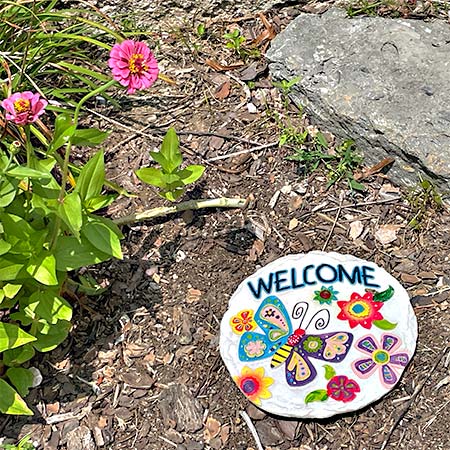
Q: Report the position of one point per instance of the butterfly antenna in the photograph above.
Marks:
(321, 319)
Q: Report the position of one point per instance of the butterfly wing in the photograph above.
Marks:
(331, 347)
(299, 370)
(273, 318)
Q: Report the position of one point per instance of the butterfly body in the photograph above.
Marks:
(291, 348)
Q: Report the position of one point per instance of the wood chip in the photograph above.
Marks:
(212, 429)
(410, 279)
(387, 233)
(356, 229)
(293, 223)
(223, 91)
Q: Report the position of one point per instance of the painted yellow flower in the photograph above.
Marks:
(243, 321)
(254, 384)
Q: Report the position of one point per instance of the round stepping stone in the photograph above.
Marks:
(314, 335)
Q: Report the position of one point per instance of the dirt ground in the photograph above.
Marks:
(141, 368)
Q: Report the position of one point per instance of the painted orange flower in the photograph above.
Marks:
(254, 384)
(360, 310)
(243, 321)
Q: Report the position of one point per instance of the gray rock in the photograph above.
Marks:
(383, 83)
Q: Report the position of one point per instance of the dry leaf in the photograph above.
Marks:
(293, 223)
(374, 169)
(135, 350)
(387, 233)
(212, 429)
(193, 295)
(256, 251)
(224, 434)
(295, 202)
(223, 91)
(356, 229)
(220, 67)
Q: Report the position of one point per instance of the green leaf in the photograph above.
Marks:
(9, 270)
(102, 201)
(71, 254)
(49, 306)
(11, 290)
(64, 130)
(89, 137)
(384, 324)
(8, 190)
(160, 159)
(11, 402)
(170, 149)
(384, 295)
(4, 247)
(21, 379)
(92, 176)
(355, 185)
(55, 334)
(152, 176)
(320, 395)
(191, 174)
(329, 372)
(21, 172)
(320, 138)
(172, 195)
(12, 336)
(103, 237)
(71, 213)
(43, 268)
(19, 355)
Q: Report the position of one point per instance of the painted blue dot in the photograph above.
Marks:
(358, 309)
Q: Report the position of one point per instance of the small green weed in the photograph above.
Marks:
(423, 199)
(23, 444)
(170, 179)
(340, 165)
(286, 88)
(235, 41)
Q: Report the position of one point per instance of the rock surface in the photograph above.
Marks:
(384, 83)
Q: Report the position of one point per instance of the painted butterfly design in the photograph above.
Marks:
(294, 348)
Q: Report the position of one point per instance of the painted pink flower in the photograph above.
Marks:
(23, 108)
(133, 65)
(342, 389)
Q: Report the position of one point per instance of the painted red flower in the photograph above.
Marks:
(133, 65)
(342, 389)
(24, 108)
(243, 321)
(360, 310)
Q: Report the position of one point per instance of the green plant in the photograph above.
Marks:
(234, 41)
(170, 179)
(23, 444)
(340, 164)
(423, 199)
(201, 30)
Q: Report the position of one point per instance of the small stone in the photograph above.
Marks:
(269, 433)
(288, 428)
(68, 426)
(286, 189)
(80, 438)
(255, 413)
(174, 436)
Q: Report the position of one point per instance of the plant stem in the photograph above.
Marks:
(65, 168)
(221, 202)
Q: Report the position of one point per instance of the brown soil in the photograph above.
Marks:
(149, 344)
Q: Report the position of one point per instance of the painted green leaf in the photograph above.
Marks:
(21, 379)
(92, 176)
(70, 212)
(384, 324)
(53, 336)
(170, 149)
(317, 396)
(11, 402)
(329, 372)
(12, 336)
(43, 268)
(384, 295)
(49, 306)
(191, 174)
(19, 355)
(101, 236)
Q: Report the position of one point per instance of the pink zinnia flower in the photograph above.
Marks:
(23, 108)
(133, 65)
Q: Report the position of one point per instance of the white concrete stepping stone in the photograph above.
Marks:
(319, 334)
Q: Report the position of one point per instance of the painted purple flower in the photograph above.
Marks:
(382, 358)
(133, 65)
(24, 108)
